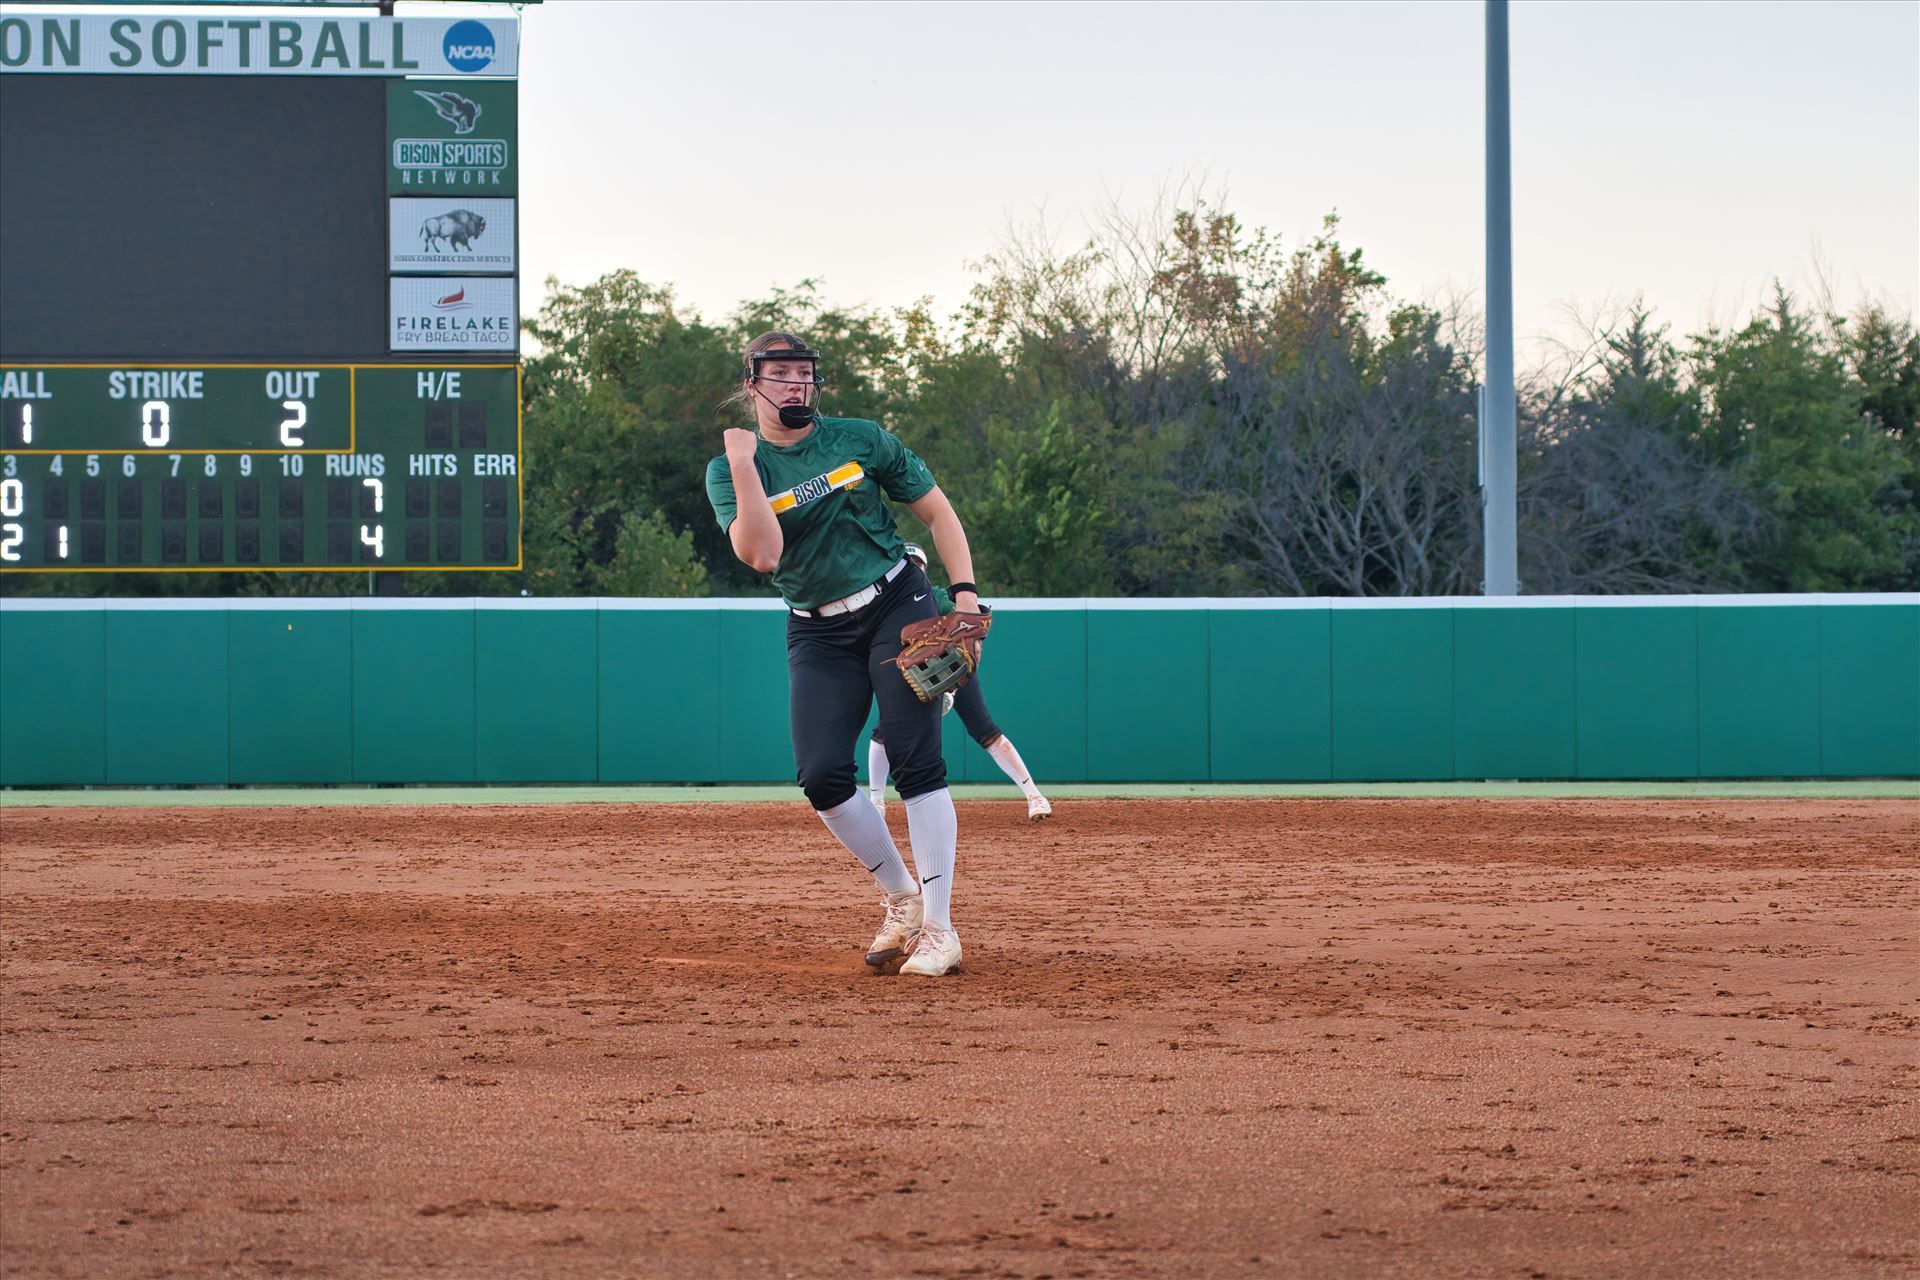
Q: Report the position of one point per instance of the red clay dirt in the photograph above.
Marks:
(1192, 1038)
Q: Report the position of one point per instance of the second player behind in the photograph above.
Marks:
(971, 703)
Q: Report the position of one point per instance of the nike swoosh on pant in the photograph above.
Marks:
(921, 596)
(927, 880)
(875, 867)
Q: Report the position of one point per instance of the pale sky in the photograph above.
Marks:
(1690, 152)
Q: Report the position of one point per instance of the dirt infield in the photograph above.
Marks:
(1232, 1038)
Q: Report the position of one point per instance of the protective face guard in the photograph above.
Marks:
(795, 350)
(793, 417)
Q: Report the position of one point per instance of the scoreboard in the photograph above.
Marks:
(258, 292)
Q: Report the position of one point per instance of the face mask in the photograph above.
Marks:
(792, 416)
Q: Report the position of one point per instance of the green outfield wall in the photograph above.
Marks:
(150, 692)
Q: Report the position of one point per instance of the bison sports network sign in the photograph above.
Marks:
(452, 136)
(450, 233)
(149, 43)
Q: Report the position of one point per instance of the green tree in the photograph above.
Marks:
(1882, 352)
(1037, 520)
(650, 559)
(622, 417)
(1779, 400)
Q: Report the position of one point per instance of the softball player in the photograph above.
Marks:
(972, 706)
(804, 498)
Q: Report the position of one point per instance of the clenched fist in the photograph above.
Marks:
(740, 444)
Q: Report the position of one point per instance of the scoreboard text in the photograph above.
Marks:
(325, 466)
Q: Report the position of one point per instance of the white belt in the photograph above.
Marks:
(858, 600)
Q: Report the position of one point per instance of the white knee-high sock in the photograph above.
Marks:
(877, 768)
(857, 825)
(1012, 765)
(935, 830)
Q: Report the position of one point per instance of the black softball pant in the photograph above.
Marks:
(970, 704)
(836, 667)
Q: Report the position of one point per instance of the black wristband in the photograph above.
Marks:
(956, 588)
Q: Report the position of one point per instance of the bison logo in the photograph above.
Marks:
(462, 113)
(458, 229)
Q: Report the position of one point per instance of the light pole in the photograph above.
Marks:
(1497, 402)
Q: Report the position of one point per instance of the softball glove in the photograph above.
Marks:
(938, 655)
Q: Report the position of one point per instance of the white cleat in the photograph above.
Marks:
(1038, 808)
(899, 932)
(879, 803)
(936, 955)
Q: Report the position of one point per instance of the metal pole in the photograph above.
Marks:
(1497, 401)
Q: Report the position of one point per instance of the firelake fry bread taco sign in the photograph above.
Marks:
(160, 43)
(472, 314)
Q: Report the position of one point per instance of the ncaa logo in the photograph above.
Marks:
(468, 46)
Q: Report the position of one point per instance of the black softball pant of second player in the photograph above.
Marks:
(970, 704)
(836, 667)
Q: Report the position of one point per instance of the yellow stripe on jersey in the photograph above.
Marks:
(844, 476)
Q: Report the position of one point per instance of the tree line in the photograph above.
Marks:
(1183, 406)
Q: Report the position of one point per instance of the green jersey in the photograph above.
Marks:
(829, 493)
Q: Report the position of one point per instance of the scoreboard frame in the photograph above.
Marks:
(395, 494)
(353, 368)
